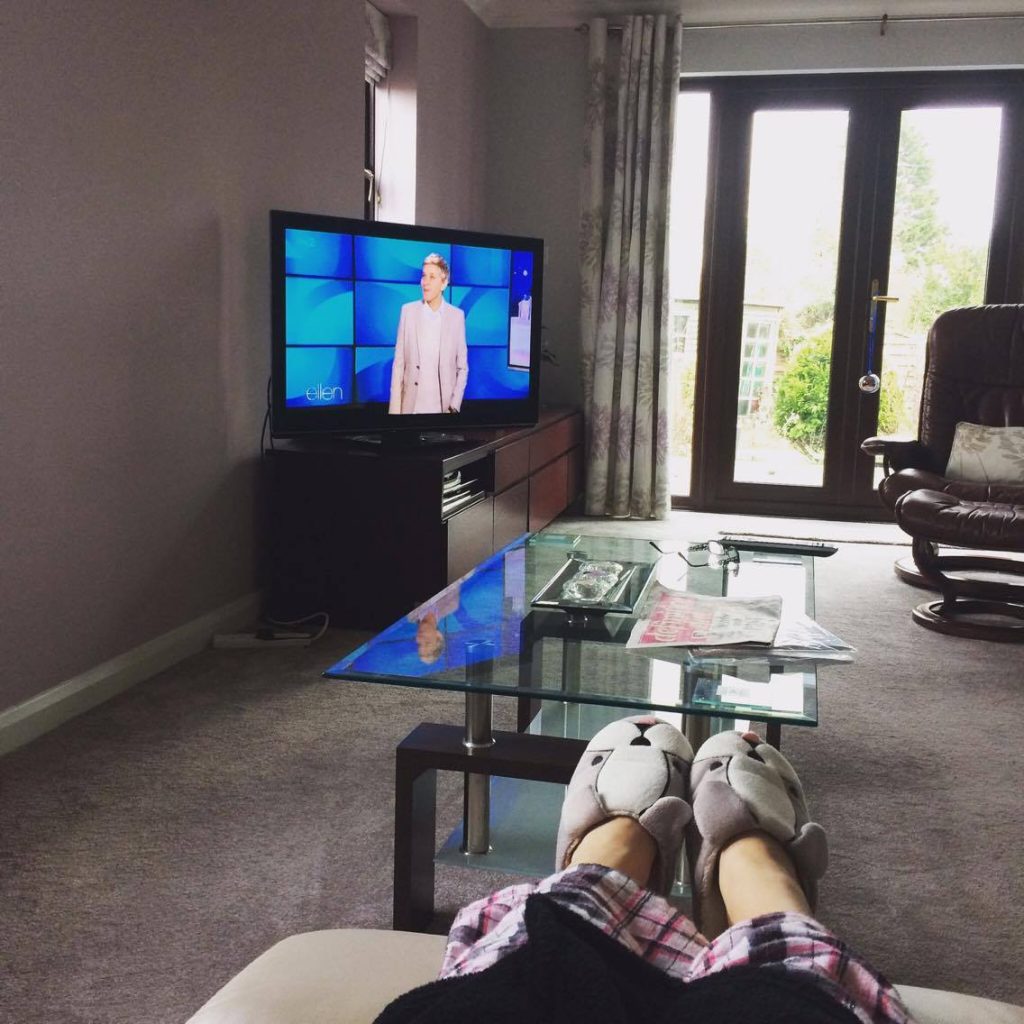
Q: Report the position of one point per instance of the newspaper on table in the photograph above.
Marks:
(799, 639)
(674, 618)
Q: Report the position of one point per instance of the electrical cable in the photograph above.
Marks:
(266, 423)
(303, 621)
(383, 150)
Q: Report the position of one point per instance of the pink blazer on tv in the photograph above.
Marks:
(453, 368)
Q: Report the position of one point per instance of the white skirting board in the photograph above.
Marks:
(47, 710)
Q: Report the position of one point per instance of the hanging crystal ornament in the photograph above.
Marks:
(870, 382)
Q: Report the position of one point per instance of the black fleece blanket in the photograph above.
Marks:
(571, 972)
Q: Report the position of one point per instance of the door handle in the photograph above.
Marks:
(870, 382)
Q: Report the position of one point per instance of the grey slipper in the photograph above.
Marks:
(637, 768)
(740, 784)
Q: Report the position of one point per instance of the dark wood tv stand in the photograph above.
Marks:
(356, 530)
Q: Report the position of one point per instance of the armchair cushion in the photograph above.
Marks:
(893, 487)
(993, 455)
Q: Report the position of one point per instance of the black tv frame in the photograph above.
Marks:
(373, 418)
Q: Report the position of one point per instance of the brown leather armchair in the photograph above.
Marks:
(974, 373)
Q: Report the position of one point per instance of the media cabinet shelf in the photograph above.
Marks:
(357, 531)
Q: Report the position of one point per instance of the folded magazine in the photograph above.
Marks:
(679, 619)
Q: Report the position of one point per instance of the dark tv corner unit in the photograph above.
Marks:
(358, 531)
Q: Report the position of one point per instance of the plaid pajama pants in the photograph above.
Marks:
(657, 932)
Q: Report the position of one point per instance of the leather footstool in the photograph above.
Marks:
(977, 606)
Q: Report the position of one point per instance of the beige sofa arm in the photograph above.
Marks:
(341, 976)
(348, 975)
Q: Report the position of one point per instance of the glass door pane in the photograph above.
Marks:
(686, 234)
(793, 220)
(942, 224)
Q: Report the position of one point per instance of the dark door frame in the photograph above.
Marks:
(875, 102)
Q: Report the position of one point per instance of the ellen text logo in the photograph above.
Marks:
(320, 393)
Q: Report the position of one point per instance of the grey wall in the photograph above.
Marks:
(150, 140)
(536, 91)
(451, 119)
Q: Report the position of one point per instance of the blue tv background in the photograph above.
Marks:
(378, 306)
(343, 298)
(318, 311)
(317, 253)
(318, 368)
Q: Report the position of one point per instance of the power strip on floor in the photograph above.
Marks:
(262, 638)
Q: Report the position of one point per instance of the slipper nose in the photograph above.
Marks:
(641, 740)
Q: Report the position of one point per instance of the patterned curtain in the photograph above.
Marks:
(624, 267)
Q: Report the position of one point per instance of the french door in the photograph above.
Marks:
(841, 214)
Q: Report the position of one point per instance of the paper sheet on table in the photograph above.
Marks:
(782, 693)
(799, 638)
(678, 619)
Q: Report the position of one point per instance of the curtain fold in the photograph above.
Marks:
(378, 44)
(624, 266)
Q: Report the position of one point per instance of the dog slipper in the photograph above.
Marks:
(740, 784)
(635, 768)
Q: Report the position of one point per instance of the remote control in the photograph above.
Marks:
(789, 547)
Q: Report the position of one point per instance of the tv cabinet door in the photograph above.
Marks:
(470, 538)
(549, 489)
(511, 514)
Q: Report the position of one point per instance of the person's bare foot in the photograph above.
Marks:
(619, 843)
(756, 876)
(752, 846)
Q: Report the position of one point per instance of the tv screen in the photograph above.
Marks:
(394, 327)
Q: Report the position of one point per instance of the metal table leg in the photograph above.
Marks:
(696, 728)
(479, 735)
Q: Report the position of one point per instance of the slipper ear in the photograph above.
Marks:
(664, 822)
(809, 851)
(719, 812)
(668, 812)
(582, 807)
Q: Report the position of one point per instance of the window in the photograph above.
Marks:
(369, 151)
(377, 65)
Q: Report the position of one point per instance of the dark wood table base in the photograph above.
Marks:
(430, 748)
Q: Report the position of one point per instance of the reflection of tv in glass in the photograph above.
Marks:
(384, 327)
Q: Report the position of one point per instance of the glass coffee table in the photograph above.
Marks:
(569, 672)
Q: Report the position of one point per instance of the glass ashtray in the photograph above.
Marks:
(593, 581)
(596, 586)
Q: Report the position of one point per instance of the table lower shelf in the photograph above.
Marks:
(524, 827)
(524, 824)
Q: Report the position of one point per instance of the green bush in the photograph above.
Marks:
(801, 396)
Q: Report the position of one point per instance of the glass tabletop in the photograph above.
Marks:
(487, 632)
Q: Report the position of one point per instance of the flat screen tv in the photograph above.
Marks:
(395, 330)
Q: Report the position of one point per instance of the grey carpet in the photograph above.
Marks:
(153, 846)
